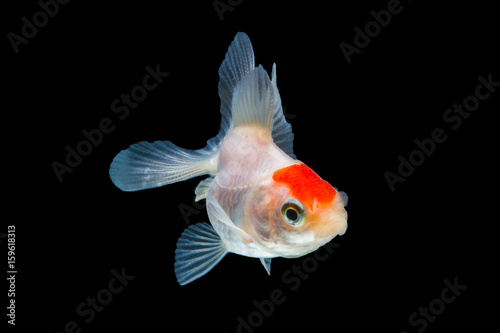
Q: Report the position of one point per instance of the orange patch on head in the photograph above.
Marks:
(305, 184)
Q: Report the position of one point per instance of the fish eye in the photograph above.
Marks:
(293, 213)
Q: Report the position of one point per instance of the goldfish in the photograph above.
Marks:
(261, 201)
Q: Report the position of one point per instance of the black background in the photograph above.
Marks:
(351, 122)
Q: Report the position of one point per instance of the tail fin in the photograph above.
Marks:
(238, 62)
(236, 67)
(253, 100)
(147, 165)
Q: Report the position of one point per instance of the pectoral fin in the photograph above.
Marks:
(236, 240)
(199, 249)
(201, 190)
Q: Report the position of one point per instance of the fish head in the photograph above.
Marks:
(295, 212)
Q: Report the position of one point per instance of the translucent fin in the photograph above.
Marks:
(146, 165)
(201, 190)
(224, 226)
(253, 100)
(199, 249)
(282, 130)
(239, 61)
(247, 96)
(266, 262)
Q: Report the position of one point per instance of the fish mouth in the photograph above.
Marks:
(333, 228)
(340, 226)
(338, 222)
(333, 222)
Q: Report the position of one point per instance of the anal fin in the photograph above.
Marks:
(199, 249)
